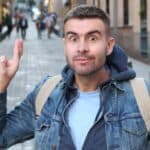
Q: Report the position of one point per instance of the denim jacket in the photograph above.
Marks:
(124, 126)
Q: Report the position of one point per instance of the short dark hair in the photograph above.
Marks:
(87, 11)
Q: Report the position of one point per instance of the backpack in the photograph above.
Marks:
(44, 92)
(143, 100)
(138, 86)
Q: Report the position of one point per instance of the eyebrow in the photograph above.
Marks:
(95, 32)
(88, 33)
(70, 32)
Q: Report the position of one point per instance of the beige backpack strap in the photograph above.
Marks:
(143, 99)
(44, 92)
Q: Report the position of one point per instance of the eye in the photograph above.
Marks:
(72, 38)
(92, 38)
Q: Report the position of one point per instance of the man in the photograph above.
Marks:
(17, 21)
(50, 21)
(9, 24)
(23, 25)
(92, 107)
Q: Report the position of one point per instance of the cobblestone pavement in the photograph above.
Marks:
(41, 57)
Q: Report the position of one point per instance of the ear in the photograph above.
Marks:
(110, 45)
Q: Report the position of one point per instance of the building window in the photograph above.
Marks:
(93, 2)
(143, 9)
(107, 6)
(144, 36)
(97, 3)
(126, 12)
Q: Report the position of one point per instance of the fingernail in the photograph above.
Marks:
(2, 58)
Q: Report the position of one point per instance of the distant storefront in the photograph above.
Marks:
(0, 12)
(5, 8)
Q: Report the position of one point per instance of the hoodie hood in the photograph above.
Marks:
(116, 64)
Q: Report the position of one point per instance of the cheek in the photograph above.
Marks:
(100, 50)
(70, 49)
(66, 50)
(68, 54)
(100, 53)
(100, 59)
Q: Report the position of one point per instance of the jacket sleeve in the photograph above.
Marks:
(19, 124)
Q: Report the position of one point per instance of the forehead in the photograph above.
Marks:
(84, 25)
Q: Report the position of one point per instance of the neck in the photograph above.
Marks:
(91, 82)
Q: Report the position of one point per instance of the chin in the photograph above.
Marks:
(84, 72)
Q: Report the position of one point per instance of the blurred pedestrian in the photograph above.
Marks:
(40, 26)
(53, 27)
(0, 28)
(8, 23)
(23, 25)
(17, 20)
(51, 21)
(48, 21)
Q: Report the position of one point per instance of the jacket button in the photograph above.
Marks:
(108, 116)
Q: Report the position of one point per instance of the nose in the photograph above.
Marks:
(82, 46)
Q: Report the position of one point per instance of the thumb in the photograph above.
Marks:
(18, 49)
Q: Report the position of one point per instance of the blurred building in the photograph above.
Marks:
(5, 8)
(121, 11)
(60, 6)
(124, 12)
(130, 19)
(0, 12)
(130, 22)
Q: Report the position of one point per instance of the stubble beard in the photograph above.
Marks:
(83, 70)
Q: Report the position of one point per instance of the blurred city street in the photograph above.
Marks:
(142, 70)
(41, 56)
(44, 54)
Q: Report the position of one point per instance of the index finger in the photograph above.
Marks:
(18, 49)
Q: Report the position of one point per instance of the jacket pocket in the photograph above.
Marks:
(47, 132)
(42, 128)
(134, 131)
(43, 124)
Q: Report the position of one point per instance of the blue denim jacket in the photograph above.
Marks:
(124, 127)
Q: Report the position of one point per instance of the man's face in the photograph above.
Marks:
(86, 45)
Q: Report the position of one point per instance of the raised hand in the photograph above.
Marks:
(9, 67)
